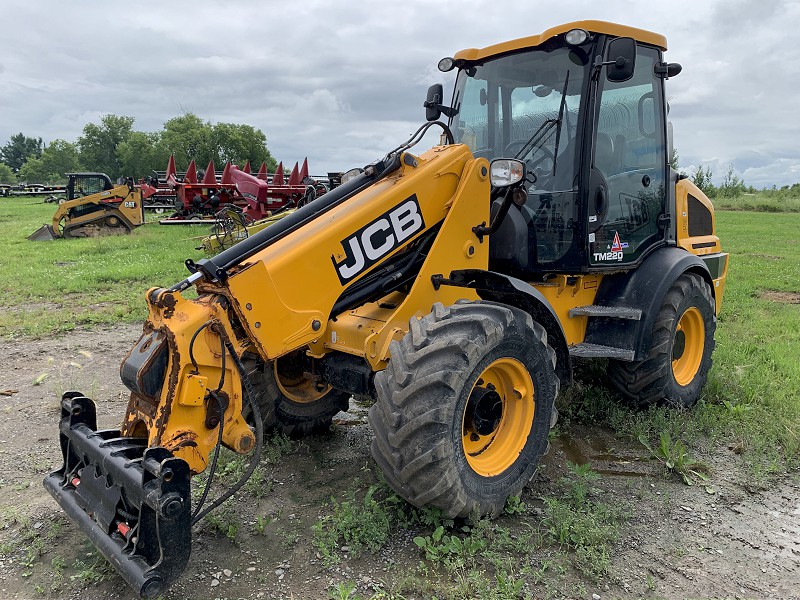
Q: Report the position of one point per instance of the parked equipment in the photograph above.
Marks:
(94, 206)
(454, 287)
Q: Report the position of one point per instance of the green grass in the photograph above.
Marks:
(55, 286)
(764, 201)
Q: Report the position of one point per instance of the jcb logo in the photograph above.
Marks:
(374, 241)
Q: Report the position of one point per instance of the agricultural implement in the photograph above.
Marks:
(94, 206)
(453, 287)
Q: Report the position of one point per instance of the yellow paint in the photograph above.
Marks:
(179, 421)
(489, 453)
(114, 200)
(565, 292)
(293, 283)
(685, 367)
(682, 191)
(603, 27)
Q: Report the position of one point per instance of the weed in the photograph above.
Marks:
(224, 521)
(261, 524)
(361, 526)
(95, 572)
(452, 550)
(278, 446)
(515, 506)
(676, 459)
(342, 591)
(585, 526)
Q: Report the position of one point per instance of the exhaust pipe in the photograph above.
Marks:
(44, 233)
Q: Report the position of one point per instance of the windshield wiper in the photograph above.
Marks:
(542, 133)
(560, 116)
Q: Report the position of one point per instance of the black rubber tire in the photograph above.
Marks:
(417, 419)
(264, 388)
(650, 381)
(278, 412)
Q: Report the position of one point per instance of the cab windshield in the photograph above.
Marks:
(527, 105)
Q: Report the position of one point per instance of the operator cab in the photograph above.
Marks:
(590, 125)
(86, 184)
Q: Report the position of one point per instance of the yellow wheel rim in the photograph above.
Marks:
(688, 345)
(498, 417)
(293, 382)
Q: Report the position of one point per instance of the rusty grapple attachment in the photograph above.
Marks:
(132, 501)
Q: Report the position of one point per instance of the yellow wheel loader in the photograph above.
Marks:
(454, 287)
(94, 206)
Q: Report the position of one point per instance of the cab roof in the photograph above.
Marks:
(603, 27)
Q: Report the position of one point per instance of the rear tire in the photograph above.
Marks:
(679, 358)
(464, 408)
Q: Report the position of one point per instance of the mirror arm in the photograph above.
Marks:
(447, 111)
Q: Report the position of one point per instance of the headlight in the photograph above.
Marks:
(575, 37)
(446, 64)
(348, 175)
(506, 171)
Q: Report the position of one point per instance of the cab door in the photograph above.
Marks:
(629, 166)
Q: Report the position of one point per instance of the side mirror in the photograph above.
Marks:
(620, 59)
(433, 102)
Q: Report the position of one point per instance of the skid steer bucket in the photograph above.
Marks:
(132, 501)
(44, 233)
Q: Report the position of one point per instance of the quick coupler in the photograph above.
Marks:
(132, 501)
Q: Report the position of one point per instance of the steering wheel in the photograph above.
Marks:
(543, 151)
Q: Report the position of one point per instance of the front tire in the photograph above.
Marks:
(287, 401)
(679, 358)
(464, 407)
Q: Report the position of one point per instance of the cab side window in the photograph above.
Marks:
(629, 152)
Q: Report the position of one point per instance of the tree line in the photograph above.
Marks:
(115, 148)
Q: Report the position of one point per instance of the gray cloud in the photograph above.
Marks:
(343, 84)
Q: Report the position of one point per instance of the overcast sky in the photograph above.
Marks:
(343, 82)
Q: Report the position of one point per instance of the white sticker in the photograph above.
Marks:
(593, 219)
(333, 337)
(591, 237)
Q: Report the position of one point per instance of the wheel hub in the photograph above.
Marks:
(680, 344)
(484, 410)
(498, 417)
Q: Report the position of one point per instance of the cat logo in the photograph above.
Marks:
(372, 242)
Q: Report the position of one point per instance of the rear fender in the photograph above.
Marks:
(644, 288)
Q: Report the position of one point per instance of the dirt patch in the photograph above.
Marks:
(701, 541)
(781, 297)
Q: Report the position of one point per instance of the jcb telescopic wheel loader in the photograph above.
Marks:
(454, 287)
(94, 206)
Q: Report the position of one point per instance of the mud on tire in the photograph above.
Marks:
(450, 418)
(679, 358)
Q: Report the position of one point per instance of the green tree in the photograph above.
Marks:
(142, 153)
(187, 137)
(702, 179)
(18, 149)
(6, 174)
(732, 185)
(98, 144)
(239, 143)
(57, 158)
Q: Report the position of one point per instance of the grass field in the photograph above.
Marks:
(752, 400)
(51, 287)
